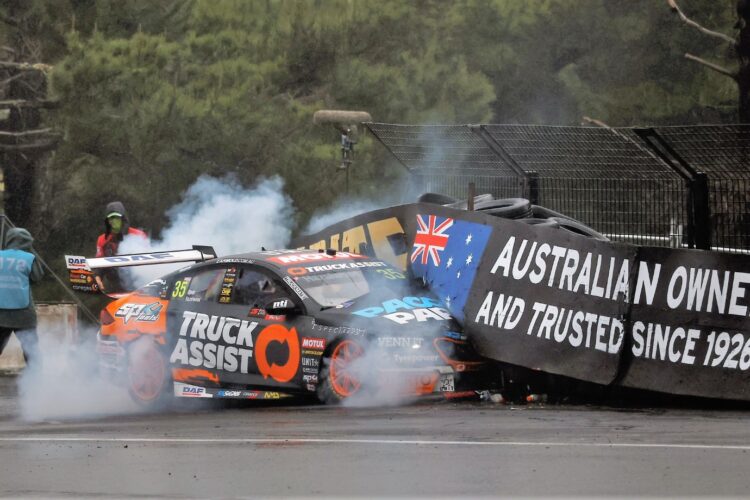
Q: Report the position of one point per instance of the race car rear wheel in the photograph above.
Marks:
(339, 377)
(148, 372)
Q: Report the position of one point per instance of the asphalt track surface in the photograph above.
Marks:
(427, 449)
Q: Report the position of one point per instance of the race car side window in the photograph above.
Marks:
(156, 288)
(203, 286)
(255, 288)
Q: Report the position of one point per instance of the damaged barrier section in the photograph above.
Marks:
(544, 298)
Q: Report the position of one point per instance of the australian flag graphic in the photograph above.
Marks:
(446, 254)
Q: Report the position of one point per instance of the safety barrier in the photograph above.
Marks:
(57, 328)
(545, 298)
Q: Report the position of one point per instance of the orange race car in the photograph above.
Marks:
(276, 323)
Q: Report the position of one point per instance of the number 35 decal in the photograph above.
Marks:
(391, 274)
(180, 289)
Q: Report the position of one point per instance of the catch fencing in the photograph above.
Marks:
(685, 186)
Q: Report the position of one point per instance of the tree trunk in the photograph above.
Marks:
(24, 145)
(743, 87)
(743, 56)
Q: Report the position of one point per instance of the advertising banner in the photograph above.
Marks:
(690, 331)
(552, 301)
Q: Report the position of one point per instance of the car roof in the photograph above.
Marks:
(280, 260)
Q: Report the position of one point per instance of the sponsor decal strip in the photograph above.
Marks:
(292, 440)
(147, 258)
(295, 287)
(193, 391)
(214, 342)
(301, 271)
(76, 262)
(313, 257)
(416, 308)
(139, 312)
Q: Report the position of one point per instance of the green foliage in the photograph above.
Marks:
(155, 93)
(144, 113)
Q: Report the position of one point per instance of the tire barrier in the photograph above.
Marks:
(463, 204)
(508, 208)
(436, 198)
(534, 221)
(546, 213)
(576, 227)
(520, 209)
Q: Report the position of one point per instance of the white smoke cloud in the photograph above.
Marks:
(232, 219)
(381, 385)
(343, 209)
(222, 214)
(64, 383)
(386, 374)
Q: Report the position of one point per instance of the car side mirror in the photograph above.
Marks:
(281, 307)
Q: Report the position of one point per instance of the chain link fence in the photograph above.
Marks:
(668, 186)
(722, 153)
(445, 158)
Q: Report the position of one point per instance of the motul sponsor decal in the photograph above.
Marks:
(313, 257)
(313, 343)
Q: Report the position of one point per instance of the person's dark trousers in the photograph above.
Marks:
(29, 342)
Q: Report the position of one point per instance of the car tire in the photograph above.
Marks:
(539, 222)
(578, 228)
(336, 380)
(464, 204)
(541, 212)
(507, 208)
(148, 373)
(436, 198)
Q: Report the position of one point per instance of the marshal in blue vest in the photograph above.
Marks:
(15, 267)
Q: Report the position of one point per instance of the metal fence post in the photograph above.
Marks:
(498, 149)
(696, 183)
(533, 178)
(701, 211)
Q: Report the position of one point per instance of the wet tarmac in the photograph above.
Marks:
(430, 449)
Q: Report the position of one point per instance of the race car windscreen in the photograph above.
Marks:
(338, 287)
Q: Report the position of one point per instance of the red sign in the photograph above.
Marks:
(312, 343)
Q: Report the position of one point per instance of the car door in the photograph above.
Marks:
(220, 329)
(260, 295)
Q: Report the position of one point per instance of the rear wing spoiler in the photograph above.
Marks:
(81, 269)
(196, 254)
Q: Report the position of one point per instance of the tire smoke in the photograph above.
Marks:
(343, 209)
(393, 365)
(391, 376)
(64, 383)
(222, 214)
(379, 385)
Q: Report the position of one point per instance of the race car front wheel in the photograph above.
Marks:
(340, 374)
(148, 372)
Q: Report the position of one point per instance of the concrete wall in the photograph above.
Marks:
(57, 327)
